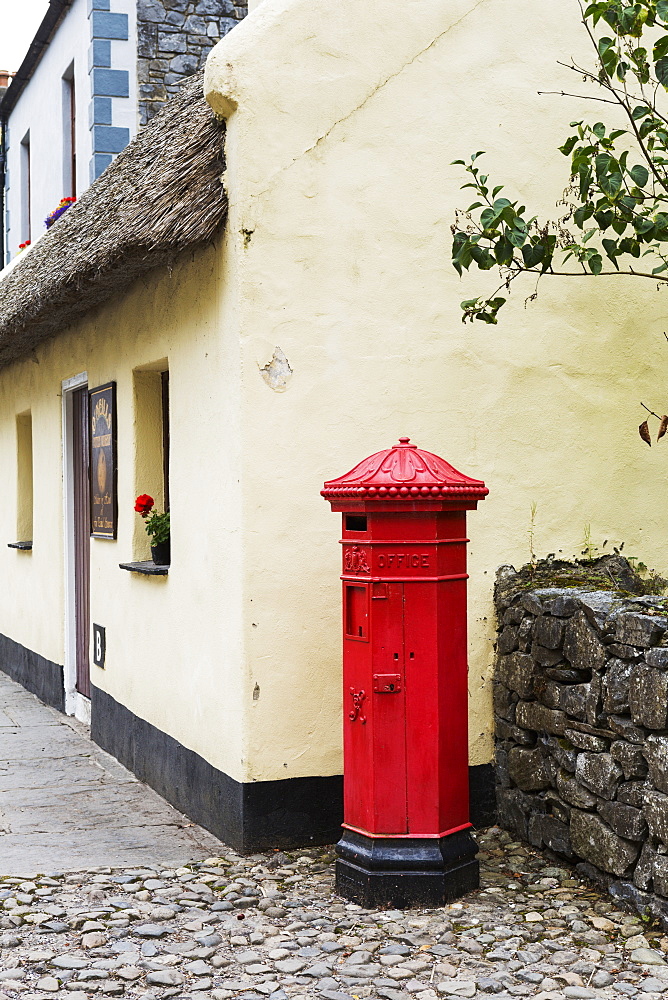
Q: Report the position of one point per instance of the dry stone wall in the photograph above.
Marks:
(581, 716)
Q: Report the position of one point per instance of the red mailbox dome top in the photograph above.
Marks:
(404, 472)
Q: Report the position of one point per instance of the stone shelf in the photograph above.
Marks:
(21, 546)
(148, 568)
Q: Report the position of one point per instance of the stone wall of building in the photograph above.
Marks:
(173, 40)
(581, 715)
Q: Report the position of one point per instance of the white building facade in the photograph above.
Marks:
(95, 72)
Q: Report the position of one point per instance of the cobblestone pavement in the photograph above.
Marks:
(270, 926)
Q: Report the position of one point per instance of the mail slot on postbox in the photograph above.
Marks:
(406, 839)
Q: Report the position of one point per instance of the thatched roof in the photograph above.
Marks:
(161, 195)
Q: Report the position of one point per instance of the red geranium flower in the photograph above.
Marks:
(144, 504)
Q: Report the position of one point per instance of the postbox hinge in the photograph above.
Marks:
(359, 698)
(387, 683)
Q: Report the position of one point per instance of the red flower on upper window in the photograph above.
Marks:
(144, 504)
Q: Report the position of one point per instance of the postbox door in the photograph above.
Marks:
(388, 708)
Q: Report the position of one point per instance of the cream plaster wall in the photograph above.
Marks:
(342, 125)
(173, 644)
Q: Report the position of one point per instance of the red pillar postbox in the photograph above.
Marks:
(406, 839)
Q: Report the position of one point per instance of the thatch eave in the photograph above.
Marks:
(162, 195)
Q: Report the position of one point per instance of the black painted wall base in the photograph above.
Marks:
(482, 795)
(378, 871)
(37, 674)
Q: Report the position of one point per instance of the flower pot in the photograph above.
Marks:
(160, 553)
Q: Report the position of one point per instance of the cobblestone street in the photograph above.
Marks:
(171, 916)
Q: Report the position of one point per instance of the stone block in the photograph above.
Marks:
(566, 675)
(594, 701)
(171, 42)
(556, 835)
(587, 741)
(531, 603)
(644, 871)
(640, 630)
(624, 820)
(564, 605)
(214, 8)
(561, 750)
(625, 652)
(573, 793)
(504, 702)
(648, 697)
(506, 731)
(599, 773)
(514, 809)
(556, 808)
(527, 769)
(176, 18)
(616, 686)
(196, 25)
(656, 814)
(150, 10)
(506, 593)
(657, 657)
(630, 758)
(624, 727)
(575, 700)
(516, 672)
(660, 874)
(655, 751)
(632, 793)
(532, 715)
(507, 641)
(513, 615)
(547, 692)
(594, 841)
(549, 632)
(582, 647)
(597, 606)
(187, 64)
(546, 657)
(534, 830)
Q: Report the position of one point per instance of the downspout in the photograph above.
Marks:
(3, 161)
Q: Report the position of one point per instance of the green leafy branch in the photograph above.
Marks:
(617, 196)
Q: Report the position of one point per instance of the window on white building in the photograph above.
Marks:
(25, 188)
(69, 135)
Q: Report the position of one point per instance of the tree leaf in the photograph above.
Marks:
(639, 174)
(643, 430)
(661, 70)
(663, 428)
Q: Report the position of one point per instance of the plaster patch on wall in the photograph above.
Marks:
(277, 373)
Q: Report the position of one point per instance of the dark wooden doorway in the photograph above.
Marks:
(81, 510)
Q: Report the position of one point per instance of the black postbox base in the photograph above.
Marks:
(404, 872)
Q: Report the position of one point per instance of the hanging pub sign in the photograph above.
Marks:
(103, 504)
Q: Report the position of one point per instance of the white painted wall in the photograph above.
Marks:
(39, 110)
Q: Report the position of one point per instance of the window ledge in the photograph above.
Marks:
(22, 546)
(147, 568)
